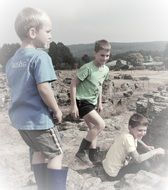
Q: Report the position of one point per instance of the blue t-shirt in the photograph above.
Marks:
(27, 68)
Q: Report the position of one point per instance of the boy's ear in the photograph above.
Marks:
(32, 33)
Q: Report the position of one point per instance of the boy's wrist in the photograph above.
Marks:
(73, 103)
(56, 110)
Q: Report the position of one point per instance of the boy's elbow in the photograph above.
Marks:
(136, 157)
(43, 88)
(137, 160)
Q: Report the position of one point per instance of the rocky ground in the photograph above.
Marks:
(121, 93)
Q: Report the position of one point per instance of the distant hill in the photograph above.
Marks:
(79, 50)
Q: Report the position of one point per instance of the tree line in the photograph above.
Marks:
(62, 58)
(60, 54)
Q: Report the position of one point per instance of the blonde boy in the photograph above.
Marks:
(29, 73)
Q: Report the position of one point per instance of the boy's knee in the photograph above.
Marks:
(101, 125)
(57, 157)
(55, 162)
(37, 157)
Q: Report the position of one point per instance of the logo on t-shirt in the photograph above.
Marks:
(19, 64)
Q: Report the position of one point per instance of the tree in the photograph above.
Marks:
(165, 53)
(135, 59)
(55, 55)
(121, 56)
(165, 57)
(61, 56)
(85, 58)
(6, 52)
(67, 56)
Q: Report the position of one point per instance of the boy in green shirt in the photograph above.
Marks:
(86, 95)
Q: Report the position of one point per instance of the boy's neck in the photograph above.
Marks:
(27, 44)
(97, 64)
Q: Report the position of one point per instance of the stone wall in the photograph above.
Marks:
(155, 106)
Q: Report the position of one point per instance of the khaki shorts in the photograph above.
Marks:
(46, 141)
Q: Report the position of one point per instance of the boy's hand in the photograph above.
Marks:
(159, 151)
(58, 116)
(74, 112)
(150, 148)
(99, 108)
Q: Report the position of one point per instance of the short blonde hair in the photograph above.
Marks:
(28, 18)
(102, 45)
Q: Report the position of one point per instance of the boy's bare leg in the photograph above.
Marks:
(54, 163)
(95, 119)
(51, 175)
(38, 158)
(94, 142)
(96, 124)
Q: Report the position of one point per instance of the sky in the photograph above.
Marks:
(85, 21)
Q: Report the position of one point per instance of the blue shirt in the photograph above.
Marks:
(27, 68)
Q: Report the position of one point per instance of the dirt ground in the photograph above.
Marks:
(14, 154)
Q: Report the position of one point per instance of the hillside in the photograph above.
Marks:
(79, 50)
(15, 173)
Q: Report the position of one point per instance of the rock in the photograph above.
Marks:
(117, 76)
(164, 93)
(128, 93)
(162, 185)
(136, 85)
(63, 99)
(160, 99)
(141, 106)
(91, 183)
(143, 78)
(160, 88)
(75, 181)
(148, 95)
(125, 86)
(142, 180)
(127, 77)
(14, 152)
(67, 81)
(66, 125)
(106, 186)
(157, 133)
(82, 126)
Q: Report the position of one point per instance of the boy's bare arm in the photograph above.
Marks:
(147, 147)
(99, 103)
(142, 157)
(74, 110)
(74, 83)
(48, 98)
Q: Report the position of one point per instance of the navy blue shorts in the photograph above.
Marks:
(84, 107)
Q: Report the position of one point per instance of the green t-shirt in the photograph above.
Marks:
(91, 79)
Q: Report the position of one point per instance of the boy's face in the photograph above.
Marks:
(43, 36)
(138, 132)
(101, 57)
